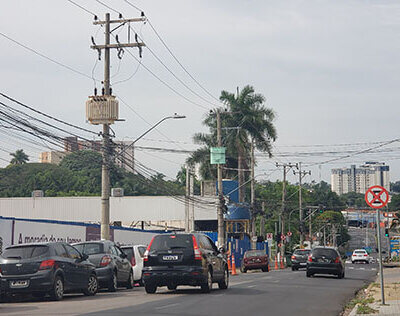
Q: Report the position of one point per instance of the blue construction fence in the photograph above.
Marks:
(239, 246)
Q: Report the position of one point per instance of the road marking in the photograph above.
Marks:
(351, 268)
(166, 306)
(251, 286)
(362, 268)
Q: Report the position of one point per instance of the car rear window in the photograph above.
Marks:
(321, 252)
(90, 248)
(25, 252)
(254, 253)
(360, 251)
(302, 252)
(166, 242)
(128, 251)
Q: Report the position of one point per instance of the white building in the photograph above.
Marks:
(344, 180)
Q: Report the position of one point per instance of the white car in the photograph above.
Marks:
(360, 255)
(135, 255)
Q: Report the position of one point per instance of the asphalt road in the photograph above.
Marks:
(281, 292)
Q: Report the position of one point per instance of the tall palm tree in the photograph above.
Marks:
(19, 157)
(254, 123)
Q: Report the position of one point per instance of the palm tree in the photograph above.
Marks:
(254, 123)
(19, 157)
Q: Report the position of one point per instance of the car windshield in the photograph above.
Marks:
(323, 252)
(25, 252)
(302, 252)
(167, 242)
(90, 248)
(254, 253)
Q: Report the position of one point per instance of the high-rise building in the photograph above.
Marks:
(344, 180)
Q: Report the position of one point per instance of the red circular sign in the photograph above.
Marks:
(289, 234)
(377, 196)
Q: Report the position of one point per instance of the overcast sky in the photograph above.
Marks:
(329, 69)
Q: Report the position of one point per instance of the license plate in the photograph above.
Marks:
(170, 258)
(303, 263)
(19, 284)
(323, 260)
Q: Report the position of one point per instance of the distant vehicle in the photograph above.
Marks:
(354, 223)
(135, 256)
(112, 266)
(44, 269)
(299, 258)
(325, 260)
(360, 255)
(184, 259)
(255, 259)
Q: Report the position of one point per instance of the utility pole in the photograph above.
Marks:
(286, 168)
(252, 201)
(301, 174)
(191, 191)
(310, 229)
(105, 111)
(220, 215)
(187, 193)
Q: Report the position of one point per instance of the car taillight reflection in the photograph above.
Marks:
(105, 261)
(197, 252)
(293, 257)
(133, 261)
(337, 260)
(47, 264)
(309, 258)
(146, 253)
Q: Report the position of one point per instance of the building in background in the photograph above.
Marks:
(353, 179)
(53, 157)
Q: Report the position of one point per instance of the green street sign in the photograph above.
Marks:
(217, 155)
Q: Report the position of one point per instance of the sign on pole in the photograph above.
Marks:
(377, 197)
(270, 236)
(217, 155)
(289, 234)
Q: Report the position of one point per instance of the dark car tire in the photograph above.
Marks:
(265, 269)
(243, 270)
(57, 292)
(223, 284)
(294, 268)
(340, 275)
(150, 288)
(172, 287)
(92, 287)
(113, 284)
(309, 274)
(206, 287)
(130, 283)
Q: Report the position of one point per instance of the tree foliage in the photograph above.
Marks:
(19, 157)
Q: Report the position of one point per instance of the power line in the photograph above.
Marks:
(84, 9)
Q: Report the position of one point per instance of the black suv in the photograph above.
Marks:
(46, 268)
(112, 266)
(325, 260)
(184, 259)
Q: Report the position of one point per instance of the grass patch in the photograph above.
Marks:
(365, 309)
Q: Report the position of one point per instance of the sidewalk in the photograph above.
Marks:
(372, 303)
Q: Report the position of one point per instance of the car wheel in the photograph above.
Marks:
(243, 270)
(206, 287)
(57, 292)
(92, 287)
(113, 285)
(130, 282)
(352, 262)
(172, 287)
(309, 274)
(294, 268)
(223, 284)
(340, 275)
(150, 288)
(265, 269)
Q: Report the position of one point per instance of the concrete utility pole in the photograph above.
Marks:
(187, 224)
(378, 232)
(281, 226)
(105, 172)
(252, 200)
(301, 174)
(191, 203)
(220, 215)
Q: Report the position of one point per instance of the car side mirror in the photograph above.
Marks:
(123, 255)
(84, 257)
(222, 250)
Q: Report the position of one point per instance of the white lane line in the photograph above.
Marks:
(166, 306)
(362, 268)
(251, 286)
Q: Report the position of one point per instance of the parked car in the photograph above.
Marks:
(46, 268)
(255, 259)
(184, 259)
(360, 255)
(135, 255)
(325, 260)
(112, 266)
(299, 258)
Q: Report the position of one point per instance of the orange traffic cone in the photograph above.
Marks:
(282, 265)
(276, 263)
(229, 263)
(233, 266)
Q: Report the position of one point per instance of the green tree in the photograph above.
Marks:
(19, 157)
(353, 199)
(394, 204)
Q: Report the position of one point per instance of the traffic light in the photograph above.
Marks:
(320, 211)
(278, 237)
(386, 232)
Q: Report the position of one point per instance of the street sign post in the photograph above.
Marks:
(378, 197)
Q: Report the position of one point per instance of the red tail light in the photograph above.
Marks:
(105, 261)
(133, 261)
(197, 252)
(293, 257)
(365, 255)
(47, 264)
(309, 259)
(337, 260)
(146, 253)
